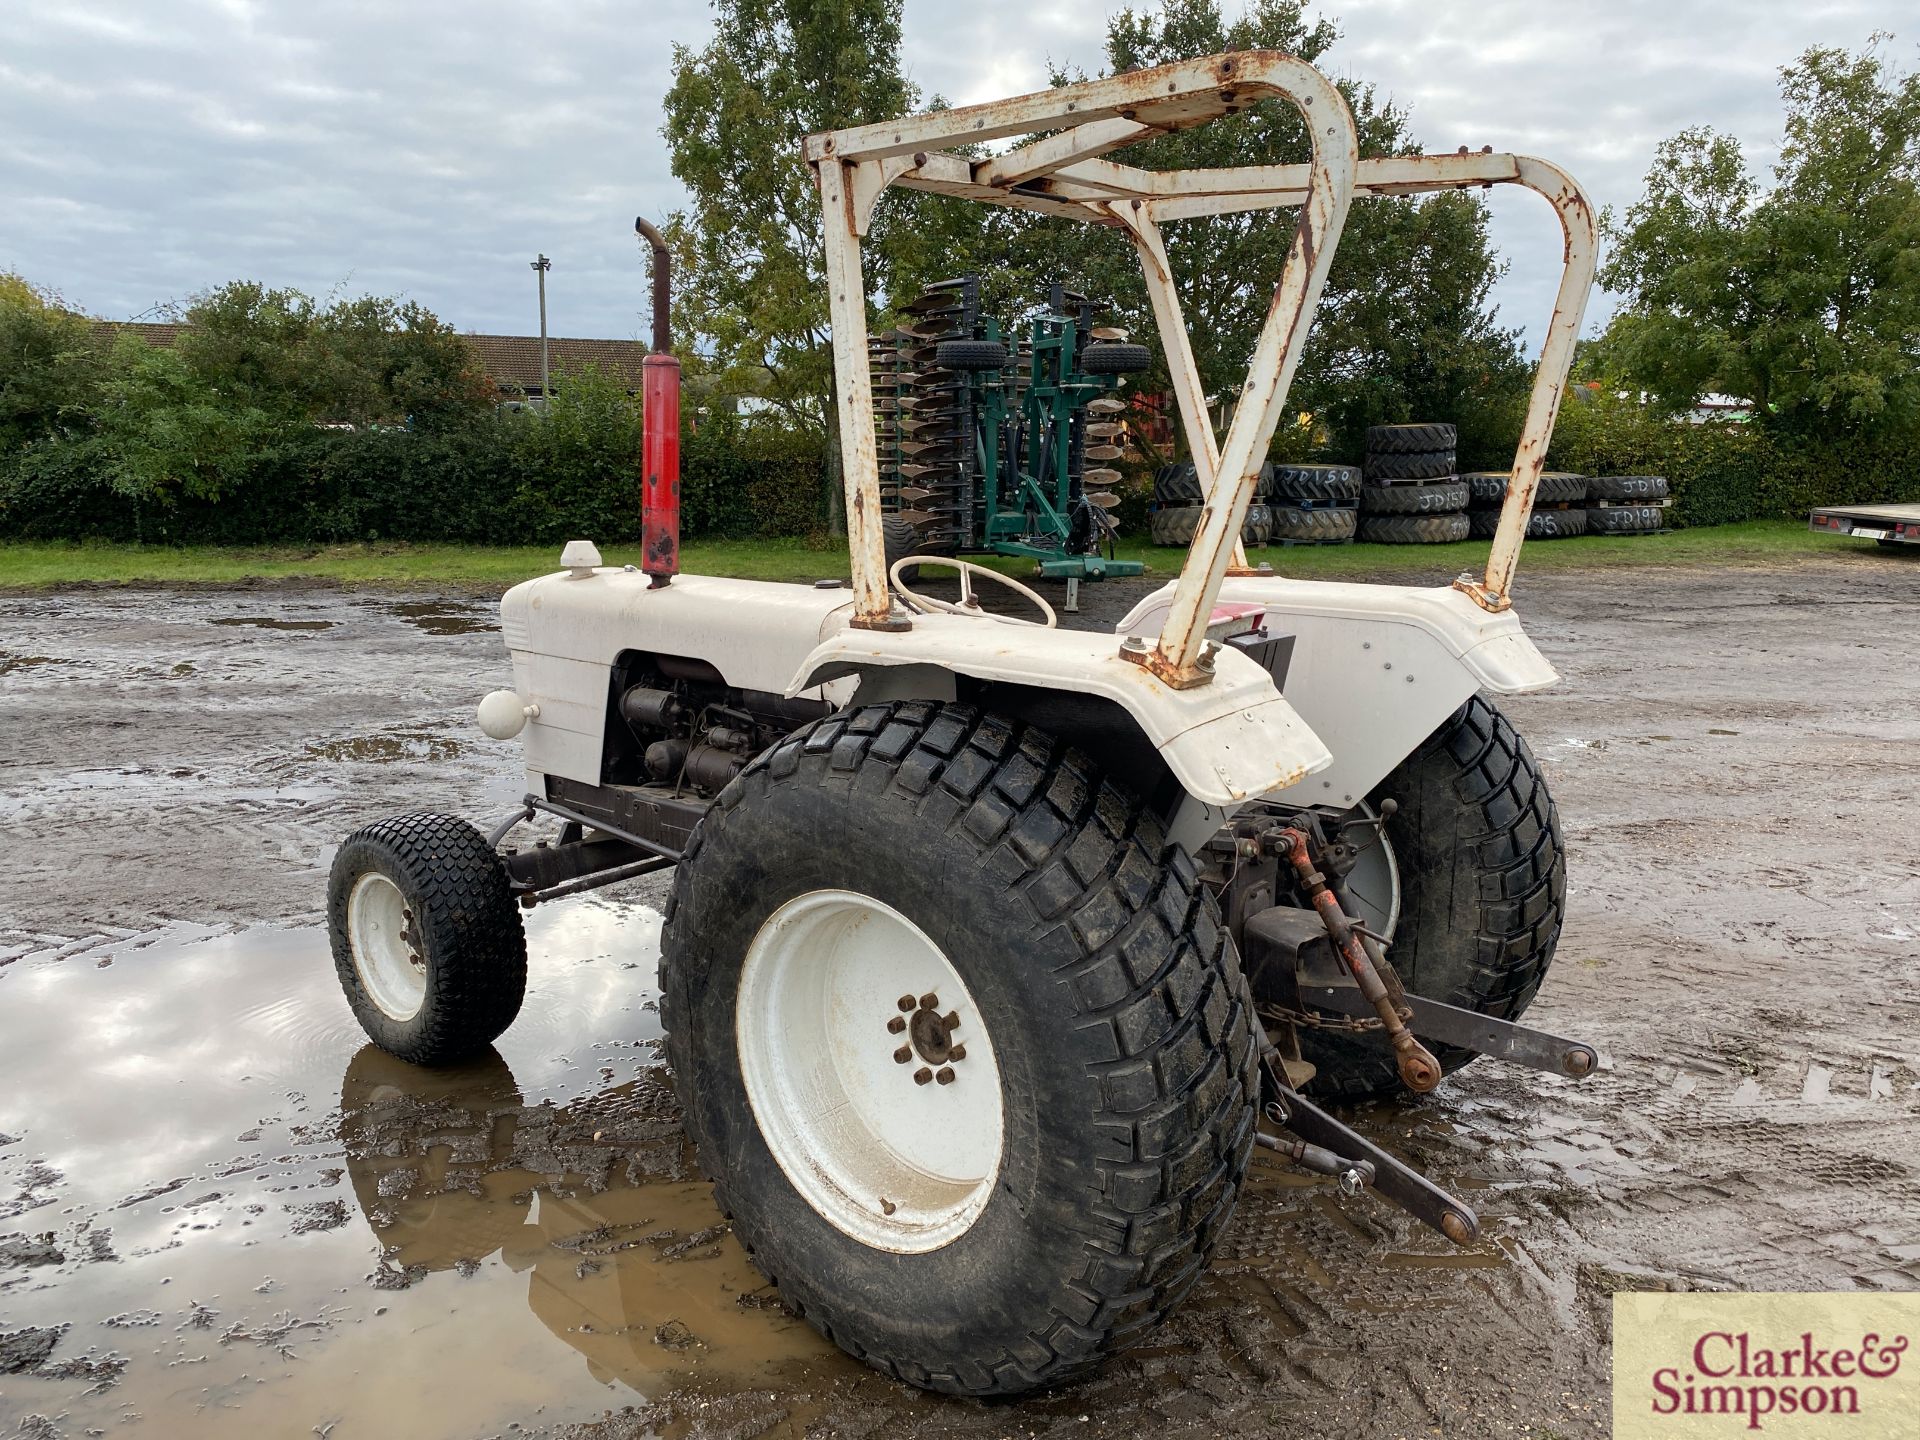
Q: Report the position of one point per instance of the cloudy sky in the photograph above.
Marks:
(426, 147)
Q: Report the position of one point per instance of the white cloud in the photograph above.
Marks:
(433, 147)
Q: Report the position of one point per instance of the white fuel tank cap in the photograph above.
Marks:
(582, 557)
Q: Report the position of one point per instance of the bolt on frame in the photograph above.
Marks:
(1062, 173)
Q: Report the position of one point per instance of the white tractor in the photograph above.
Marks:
(995, 948)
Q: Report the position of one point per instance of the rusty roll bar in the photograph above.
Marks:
(1062, 173)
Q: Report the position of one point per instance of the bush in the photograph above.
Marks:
(508, 478)
(1725, 471)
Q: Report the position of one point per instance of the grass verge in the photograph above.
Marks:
(31, 565)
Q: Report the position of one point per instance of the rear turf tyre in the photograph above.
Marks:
(1056, 1197)
(426, 937)
(1483, 880)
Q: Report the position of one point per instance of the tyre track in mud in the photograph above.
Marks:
(1730, 752)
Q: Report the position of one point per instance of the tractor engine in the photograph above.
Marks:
(677, 723)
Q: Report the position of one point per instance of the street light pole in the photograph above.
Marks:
(546, 389)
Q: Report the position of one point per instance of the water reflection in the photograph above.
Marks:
(596, 1204)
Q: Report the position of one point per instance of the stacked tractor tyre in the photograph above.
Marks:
(1558, 505)
(1412, 494)
(1178, 505)
(1314, 504)
(1292, 505)
(1627, 504)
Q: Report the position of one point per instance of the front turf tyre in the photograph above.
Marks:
(426, 937)
(962, 1043)
(1483, 884)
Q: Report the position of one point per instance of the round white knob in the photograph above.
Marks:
(503, 714)
(580, 557)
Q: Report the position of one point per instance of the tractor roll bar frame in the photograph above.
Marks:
(1061, 172)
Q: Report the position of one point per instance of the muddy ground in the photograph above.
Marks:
(221, 1215)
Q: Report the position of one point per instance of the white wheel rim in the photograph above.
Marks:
(1374, 885)
(380, 929)
(901, 1155)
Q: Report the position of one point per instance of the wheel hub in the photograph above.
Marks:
(929, 1036)
(828, 1042)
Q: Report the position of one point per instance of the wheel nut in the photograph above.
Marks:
(922, 1075)
(945, 1077)
(903, 1054)
(906, 1003)
(952, 1022)
(896, 1024)
(929, 1001)
(959, 1052)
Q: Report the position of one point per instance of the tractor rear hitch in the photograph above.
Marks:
(1418, 1069)
(1451, 1025)
(1388, 1177)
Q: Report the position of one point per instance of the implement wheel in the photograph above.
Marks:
(961, 1042)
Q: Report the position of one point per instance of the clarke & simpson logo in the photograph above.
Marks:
(1696, 1365)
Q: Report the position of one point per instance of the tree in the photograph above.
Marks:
(1406, 331)
(165, 434)
(751, 254)
(1405, 327)
(1802, 299)
(374, 360)
(49, 366)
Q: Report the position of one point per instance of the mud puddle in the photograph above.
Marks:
(271, 622)
(228, 1216)
(441, 617)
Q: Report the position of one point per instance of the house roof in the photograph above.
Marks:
(511, 360)
(515, 359)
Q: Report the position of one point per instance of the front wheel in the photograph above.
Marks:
(961, 1042)
(1477, 881)
(426, 937)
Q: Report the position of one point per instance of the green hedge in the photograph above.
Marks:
(1726, 471)
(514, 479)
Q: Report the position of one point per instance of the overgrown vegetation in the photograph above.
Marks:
(272, 419)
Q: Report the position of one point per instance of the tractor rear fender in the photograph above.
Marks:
(1375, 669)
(1225, 742)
